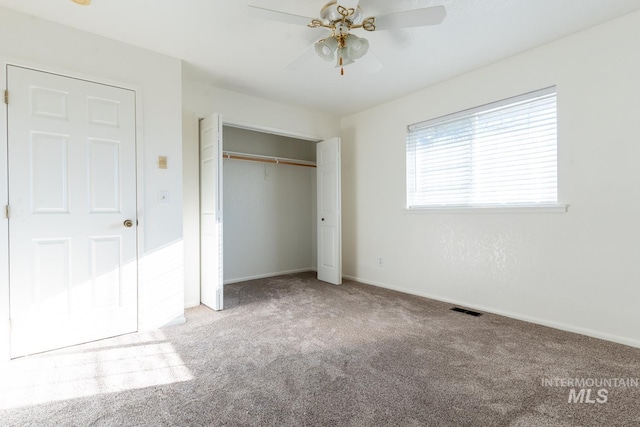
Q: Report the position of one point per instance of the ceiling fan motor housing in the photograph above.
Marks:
(342, 28)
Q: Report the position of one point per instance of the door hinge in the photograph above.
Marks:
(6, 211)
(6, 97)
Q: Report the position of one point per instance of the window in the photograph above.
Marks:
(500, 154)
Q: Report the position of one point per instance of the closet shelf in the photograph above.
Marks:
(267, 159)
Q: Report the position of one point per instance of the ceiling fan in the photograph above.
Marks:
(340, 17)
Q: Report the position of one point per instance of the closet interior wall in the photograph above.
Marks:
(269, 209)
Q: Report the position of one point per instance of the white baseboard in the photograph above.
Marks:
(178, 320)
(556, 325)
(156, 324)
(191, 304)
(262, 276)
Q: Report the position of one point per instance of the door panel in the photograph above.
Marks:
(50, 286)
(106, 271)
(72, 184)
(329, 215)
(104, 176)
(49, 170)
(211, 273)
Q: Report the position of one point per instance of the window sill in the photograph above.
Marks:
(489, 209)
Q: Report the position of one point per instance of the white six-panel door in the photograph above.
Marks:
(72, 224)
(329, 211)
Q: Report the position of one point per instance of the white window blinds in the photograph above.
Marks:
(504, 153)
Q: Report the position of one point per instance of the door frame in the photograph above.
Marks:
(5, 322)
(233, 122)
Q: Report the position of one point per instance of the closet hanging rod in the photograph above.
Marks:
(267, 159)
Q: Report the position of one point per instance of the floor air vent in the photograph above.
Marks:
(469, 312)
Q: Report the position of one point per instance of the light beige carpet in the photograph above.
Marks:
(292, 351)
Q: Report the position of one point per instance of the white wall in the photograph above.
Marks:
(578, 270)
(269, 215)
(26, 40)
(201, 98)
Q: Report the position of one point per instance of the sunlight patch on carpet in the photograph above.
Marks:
(61, 376)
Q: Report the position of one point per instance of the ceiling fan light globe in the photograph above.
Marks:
(343, 59)
(356, 47)
(326, 48)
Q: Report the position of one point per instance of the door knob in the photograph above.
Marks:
(128, 223)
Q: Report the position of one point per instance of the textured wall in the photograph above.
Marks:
(577, 270)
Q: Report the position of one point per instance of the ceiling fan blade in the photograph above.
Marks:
(274, 15)
(371, 62)
(349, 4)
(411, 18)
(304, 57)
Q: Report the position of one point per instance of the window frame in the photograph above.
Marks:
(507, 207)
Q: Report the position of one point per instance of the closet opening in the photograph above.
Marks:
(269, 209)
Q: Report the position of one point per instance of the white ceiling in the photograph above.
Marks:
(245, 54)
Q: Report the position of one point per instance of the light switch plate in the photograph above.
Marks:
(162, 162)
(163, 197)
